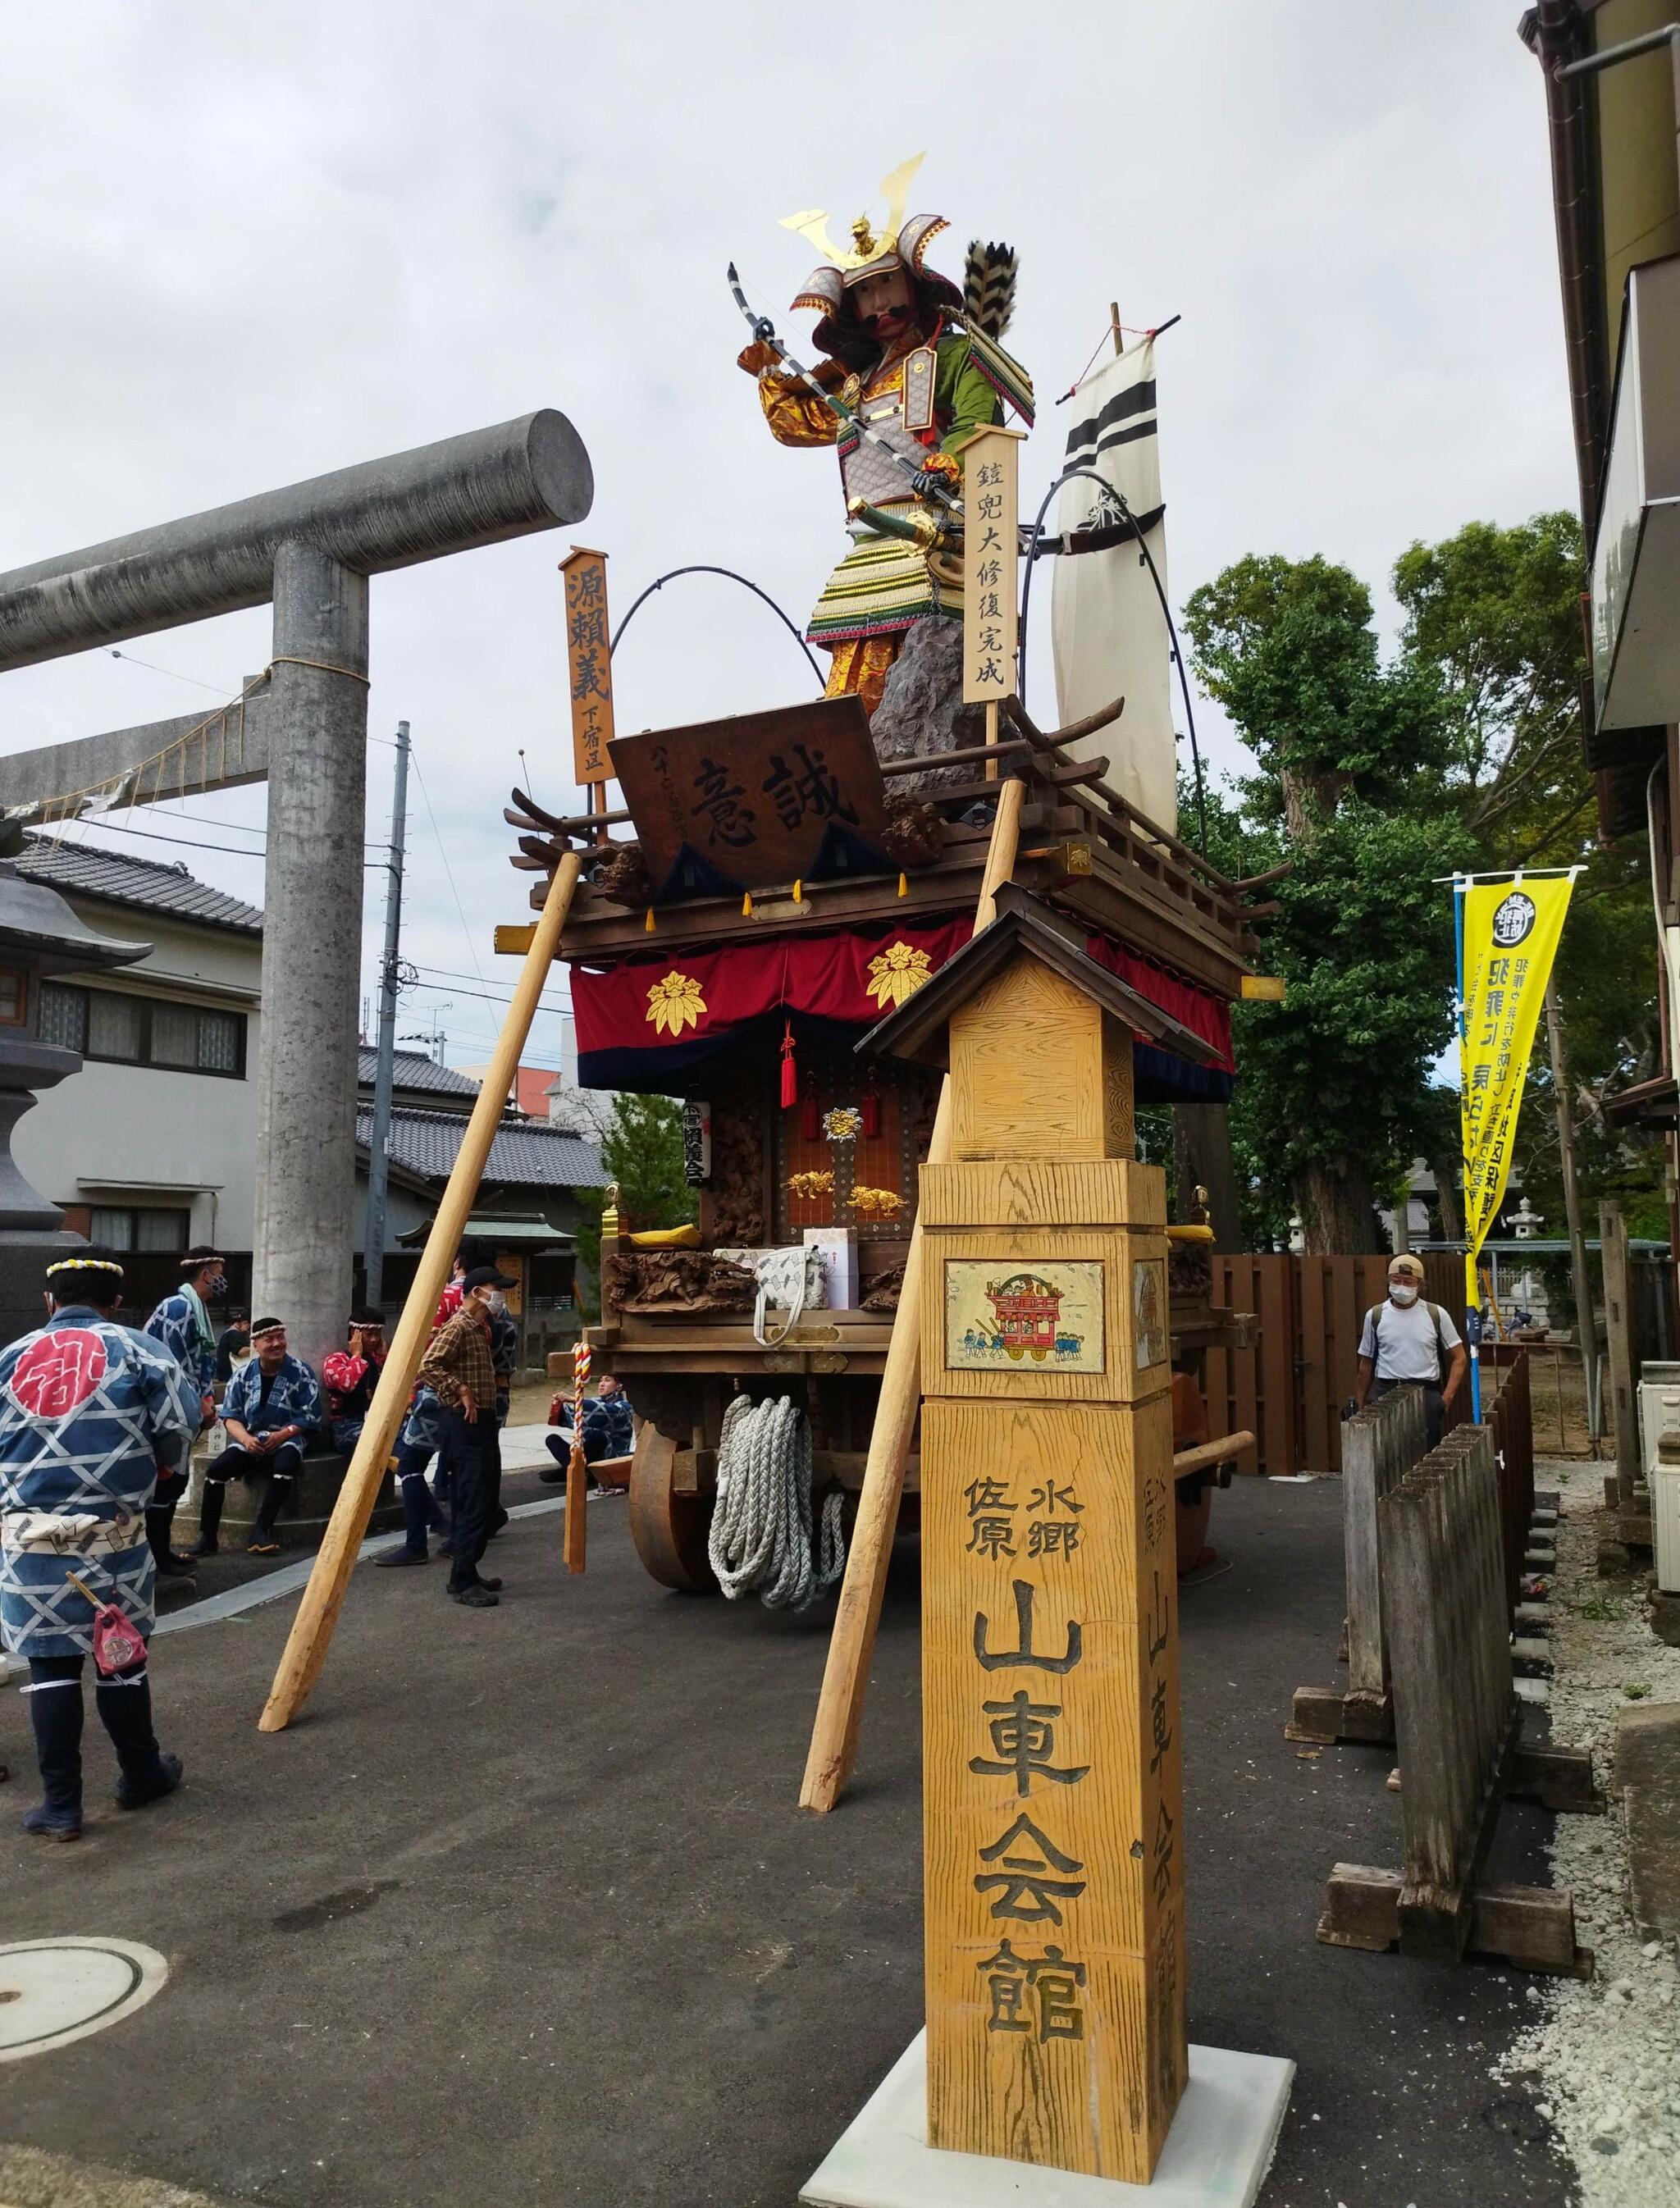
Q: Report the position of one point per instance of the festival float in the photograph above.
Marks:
(776, 883)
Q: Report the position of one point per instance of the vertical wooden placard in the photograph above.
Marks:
(1053, 1819)
(589, 664)
(990, 560)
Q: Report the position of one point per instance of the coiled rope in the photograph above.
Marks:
(761, 1528)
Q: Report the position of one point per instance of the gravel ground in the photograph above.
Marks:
(1605, 2053)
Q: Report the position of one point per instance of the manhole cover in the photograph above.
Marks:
(52, 1991)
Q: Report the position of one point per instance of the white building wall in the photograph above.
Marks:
(142, 1134)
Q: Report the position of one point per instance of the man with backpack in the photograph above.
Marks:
(1410, 1343)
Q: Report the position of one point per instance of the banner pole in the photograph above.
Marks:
(1472, 1300)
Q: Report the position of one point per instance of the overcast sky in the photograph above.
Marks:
(244, 246)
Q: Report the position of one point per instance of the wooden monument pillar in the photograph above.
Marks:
(1055, 1840)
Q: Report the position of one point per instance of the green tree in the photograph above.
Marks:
(1329, 1105)
(641, 1150)
(1493, 616)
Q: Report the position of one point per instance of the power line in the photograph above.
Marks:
(471, 947)
(186, 843)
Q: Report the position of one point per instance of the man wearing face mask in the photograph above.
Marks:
(181, 1323)
(458, 1369)
(918, 360)
(1407, 1342)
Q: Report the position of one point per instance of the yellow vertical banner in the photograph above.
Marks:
(588, 663)
(1512, 925)
(991, 554)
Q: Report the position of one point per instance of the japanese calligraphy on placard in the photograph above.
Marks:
(999, 1314)
(1053, 1813)
(588, 663)
(990, 560)
(760, 798)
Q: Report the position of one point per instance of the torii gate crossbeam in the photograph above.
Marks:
(310, 548)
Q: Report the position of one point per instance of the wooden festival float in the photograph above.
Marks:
(731, 948)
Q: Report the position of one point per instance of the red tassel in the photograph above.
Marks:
(871, 1106)
(810, 1117)
(789, 1070)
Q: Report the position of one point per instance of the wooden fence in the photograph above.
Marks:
(1289, 1389)
(1441, 1546)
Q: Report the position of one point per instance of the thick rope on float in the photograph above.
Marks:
(761, 1528)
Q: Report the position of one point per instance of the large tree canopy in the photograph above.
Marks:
(1376, 779)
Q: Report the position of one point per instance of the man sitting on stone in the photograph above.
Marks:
(271, 1411)
(609, 1430)
(351, 1375)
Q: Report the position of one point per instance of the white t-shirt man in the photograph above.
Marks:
(1401, 1343)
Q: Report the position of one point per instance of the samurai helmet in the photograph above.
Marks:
(872, 251)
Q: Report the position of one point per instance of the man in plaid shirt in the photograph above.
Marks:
(460, 1370)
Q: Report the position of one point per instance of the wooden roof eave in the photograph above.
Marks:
(1024, 927)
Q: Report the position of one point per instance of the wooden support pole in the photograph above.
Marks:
(834, 1736)
(323, 1597)
(1618, 1326)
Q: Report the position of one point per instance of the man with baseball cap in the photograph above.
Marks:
(1410, 1343)
(458, 1368)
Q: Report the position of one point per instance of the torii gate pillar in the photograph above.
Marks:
(311, 947)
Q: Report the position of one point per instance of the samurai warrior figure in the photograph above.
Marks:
(920, 362)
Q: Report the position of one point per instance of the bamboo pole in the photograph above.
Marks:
(577, 1476)
(323, 1597)
(834, 1736)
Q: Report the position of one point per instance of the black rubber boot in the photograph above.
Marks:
(159, 1518)
(55, 1712)
(209, 1517)
(124, 1704)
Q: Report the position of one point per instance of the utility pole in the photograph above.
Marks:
(1587, 1332)
(373, 1252)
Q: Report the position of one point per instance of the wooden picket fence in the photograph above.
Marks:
(1288, 1389)
(1442, 1547)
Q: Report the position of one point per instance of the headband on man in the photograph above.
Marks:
(268, 1326)
(84, 1265)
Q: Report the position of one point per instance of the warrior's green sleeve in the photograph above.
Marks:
(960, 391)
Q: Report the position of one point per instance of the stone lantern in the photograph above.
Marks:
(39, 936)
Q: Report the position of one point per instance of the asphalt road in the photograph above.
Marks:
(522, 1911)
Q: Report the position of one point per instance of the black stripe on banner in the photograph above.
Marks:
(1125, 437)
(1139, 398)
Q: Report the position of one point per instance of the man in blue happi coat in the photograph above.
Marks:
(272, 1411)
(86, 1408)
(181, 1323)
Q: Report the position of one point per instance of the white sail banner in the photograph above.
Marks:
(1107, 629)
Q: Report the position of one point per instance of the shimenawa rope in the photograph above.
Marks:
(761, 1528)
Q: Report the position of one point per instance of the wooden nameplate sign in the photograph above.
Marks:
(758, 799)
(1053, 1819)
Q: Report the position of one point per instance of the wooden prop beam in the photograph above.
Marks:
(834, 1737)
(323, 1597)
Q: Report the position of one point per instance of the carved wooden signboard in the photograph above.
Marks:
(1053, 1817)
(761, 799)
(588, 663)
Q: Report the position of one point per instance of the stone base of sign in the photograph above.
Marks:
(1216, 2154)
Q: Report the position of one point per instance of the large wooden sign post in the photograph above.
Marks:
(1053, 1822)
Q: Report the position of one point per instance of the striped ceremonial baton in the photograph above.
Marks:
(577, 1484)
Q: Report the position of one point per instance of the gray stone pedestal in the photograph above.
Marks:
(1216, 2154)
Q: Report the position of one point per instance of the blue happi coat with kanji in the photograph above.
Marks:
(86, 1408)
(295, 1399)
(176, 1323)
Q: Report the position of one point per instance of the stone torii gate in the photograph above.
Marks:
(310, 549)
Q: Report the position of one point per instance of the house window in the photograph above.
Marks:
(140, 1226)
(13, 997)
(124, 1031)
